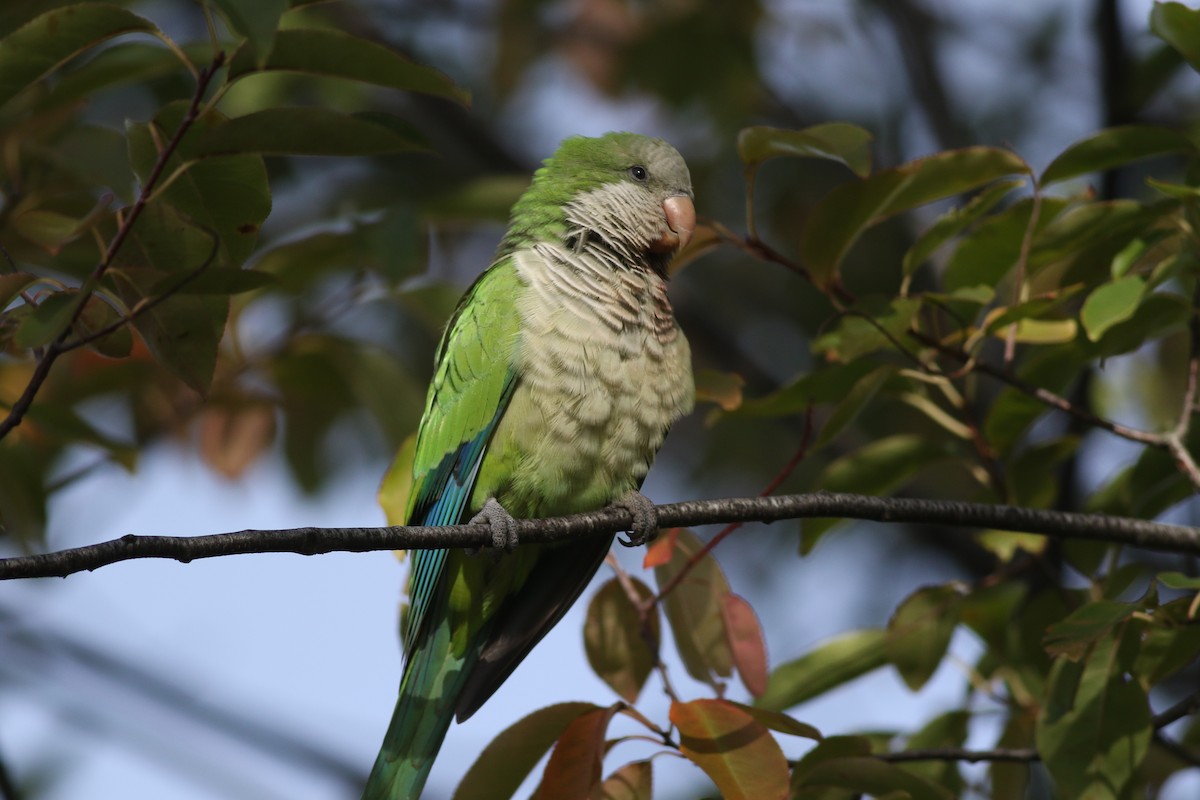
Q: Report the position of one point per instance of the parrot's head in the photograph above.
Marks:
(624, 193)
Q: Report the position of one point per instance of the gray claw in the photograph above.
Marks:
(645, 519)
(503, 525)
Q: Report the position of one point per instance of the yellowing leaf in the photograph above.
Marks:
(738, 754)
(722, 388)
(232, 437)
(1111, 303)
(396, 486)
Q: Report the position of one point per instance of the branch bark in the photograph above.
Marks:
(313, 541)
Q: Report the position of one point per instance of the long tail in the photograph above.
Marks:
(433, 680)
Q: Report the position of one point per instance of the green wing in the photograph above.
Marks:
(469, 394)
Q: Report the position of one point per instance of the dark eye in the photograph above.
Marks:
(638, 173)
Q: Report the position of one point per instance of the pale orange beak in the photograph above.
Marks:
(681, 222)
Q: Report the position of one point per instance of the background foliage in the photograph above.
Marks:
(239, 227)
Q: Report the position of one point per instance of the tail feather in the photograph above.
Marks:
(433, 680)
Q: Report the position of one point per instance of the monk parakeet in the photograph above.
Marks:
(555, 382)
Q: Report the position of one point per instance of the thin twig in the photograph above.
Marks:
(775, 483)
(1045, 396)
(1176, 749)
(1185, 707)
(146, 305)
(56, 348)
(312, 541)
(1022, 754)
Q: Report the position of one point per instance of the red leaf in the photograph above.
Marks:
(575, 764)
(504, 764)
(745, 637)
(659, 551)
(734, 749)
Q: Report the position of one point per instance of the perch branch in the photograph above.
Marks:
(313, 541)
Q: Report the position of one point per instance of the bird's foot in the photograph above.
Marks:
(502, 523)
(645, 519)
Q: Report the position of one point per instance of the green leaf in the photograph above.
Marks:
(863, 774)
(228, 195)
(1178, 580)
(616, 648)
(1158, 314)
(65, 424)
(183, 332)
(875, 323)
(44, 324)
(257, 21)
(1178, 26)
(336, 54)
(955, 221)
(46, 227)
(45, 42)
(738, 754)
(310, 132)
(845, 213)
(1115, 147)
(511, 756)
(12, 284)
(98, 315)
(830, 665)
(991, 251)
(1111, 303)
(120, 63)
(1171, 641)
(780, 722)
(1032, 475)
(218, 282)
(693, 611)
(837, 141)
(882, 466)
(855, 401)
(920, 630)
(1074, 635)
(829, 384)
(1095, 726)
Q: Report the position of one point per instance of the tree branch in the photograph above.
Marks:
(59, 346)
(313, 541)
(1024, 754)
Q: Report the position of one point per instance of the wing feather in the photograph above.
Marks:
(471, 388)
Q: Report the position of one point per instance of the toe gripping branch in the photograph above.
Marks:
(502, 523)
(645, 519)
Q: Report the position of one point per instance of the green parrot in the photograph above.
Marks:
(555, 382)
